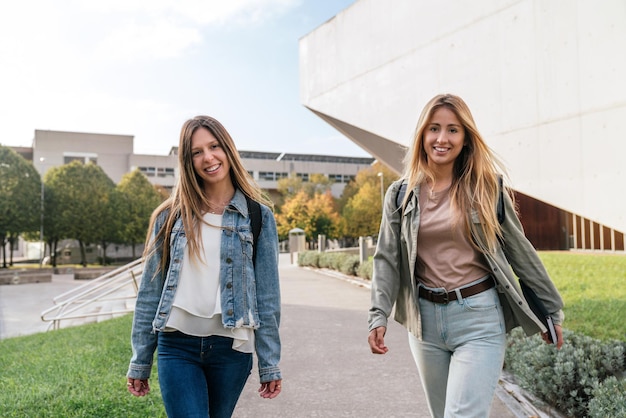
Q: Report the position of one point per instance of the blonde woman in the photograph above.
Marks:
(209, 295)
(446, 262)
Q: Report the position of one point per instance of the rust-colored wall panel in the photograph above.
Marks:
(619, 241)
(544, 225)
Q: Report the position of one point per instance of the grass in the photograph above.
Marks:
(80, 371)
(593, 287)
(73, 372)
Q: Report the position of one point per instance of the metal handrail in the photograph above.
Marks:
(69, 304)
(100, 279)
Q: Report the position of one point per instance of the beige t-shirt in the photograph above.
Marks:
(445, 256)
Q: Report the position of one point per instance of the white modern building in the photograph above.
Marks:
(545, 80)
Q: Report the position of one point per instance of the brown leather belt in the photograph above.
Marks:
(446, 297)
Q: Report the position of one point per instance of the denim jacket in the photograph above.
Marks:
(250, 297)
(393, 279)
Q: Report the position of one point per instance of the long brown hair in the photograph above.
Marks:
(188, 199)
(475, 173)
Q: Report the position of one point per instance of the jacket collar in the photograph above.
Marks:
(239, 203)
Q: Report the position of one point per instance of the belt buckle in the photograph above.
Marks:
(446, 299)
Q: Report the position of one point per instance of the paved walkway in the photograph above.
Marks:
(328, 369)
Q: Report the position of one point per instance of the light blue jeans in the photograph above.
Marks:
(461, 354)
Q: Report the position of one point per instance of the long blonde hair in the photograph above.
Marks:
(475, 173)
(188, 199)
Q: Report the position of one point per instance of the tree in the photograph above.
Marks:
(20, 187)
(362, 200)
(138, 200)
(316, 215)
(82, 194)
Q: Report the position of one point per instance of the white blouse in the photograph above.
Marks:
(196, 309)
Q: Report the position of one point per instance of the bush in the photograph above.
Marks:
(345, 263)
(609, 399)
(309, 258)
(349, 264)
(563, 378)
(331, 260)
(365, 269)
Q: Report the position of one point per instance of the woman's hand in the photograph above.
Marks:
(138, 387)
(271, 389)
(376, 339)
(559, 337)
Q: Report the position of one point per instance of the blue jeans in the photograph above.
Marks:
(200, 376)
(461, 354)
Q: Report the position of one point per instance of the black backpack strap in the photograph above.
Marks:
(254, 211)
(400, 194)
(500, 206)
(400, 197)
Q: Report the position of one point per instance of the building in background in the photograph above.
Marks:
(114, 154)
(544, 80)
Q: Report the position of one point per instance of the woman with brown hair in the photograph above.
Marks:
(209, 295)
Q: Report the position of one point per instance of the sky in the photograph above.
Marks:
(143, 67)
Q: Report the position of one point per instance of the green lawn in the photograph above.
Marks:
(73, 372)
(593, 287)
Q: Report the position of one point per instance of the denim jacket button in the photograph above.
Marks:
(229, 260)
(230, 312)
(229, 286)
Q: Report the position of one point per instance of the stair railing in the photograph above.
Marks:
(70, 305)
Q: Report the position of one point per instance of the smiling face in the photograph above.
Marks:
(210, 162)
(443, 140)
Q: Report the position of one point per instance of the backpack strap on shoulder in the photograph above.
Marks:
(500, 206)
(400, 196)
(254, 211)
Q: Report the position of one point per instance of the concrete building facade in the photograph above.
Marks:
(544, 79)
(114, 154)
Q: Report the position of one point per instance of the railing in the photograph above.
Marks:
(104, 289)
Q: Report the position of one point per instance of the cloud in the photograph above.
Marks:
(202, 12)
(156, 40)
(161, 29)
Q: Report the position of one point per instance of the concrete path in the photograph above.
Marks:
(327, 367)
(21, 305)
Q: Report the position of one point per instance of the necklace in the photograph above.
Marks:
(217, 208)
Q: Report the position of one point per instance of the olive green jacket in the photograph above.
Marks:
(393, 280)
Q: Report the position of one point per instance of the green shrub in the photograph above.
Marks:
(563, 378)
(609, 399)
(365, 269)
(331, 260)
(309, 258)
(349, 264)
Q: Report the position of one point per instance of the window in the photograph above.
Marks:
(337, 178)
(84, 158)
(164, 172)
(148, 171)
(303, 176)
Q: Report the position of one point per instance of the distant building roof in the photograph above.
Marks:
(283, 156)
